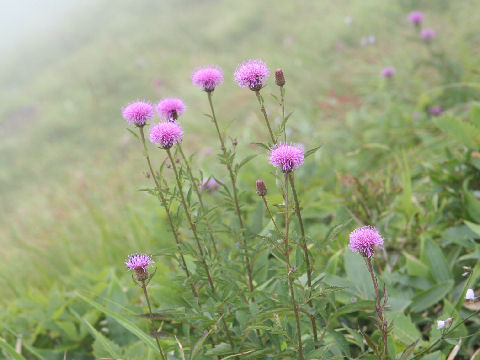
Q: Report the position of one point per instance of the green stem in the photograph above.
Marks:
(144, 287)
(290, 283)
(163, 201)
(271, 216)
(199, 196)
(379, 307)
(265, 116)
(306, 256)
(248, 267)
(282, 103)
(199, 245)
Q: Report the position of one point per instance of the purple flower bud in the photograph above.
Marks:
(388, 72)
(435, 110)
(279, 77)
(261, 188)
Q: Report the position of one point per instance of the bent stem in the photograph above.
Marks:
(379, 308)
(199, 196)
(155, 333)
(306, 256)
(163, 201)
(265, 116)
(199, 245)
(290, 283)
(248, 267)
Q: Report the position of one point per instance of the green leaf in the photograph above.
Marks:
(431, 296)
(357, 272)
(220, 349)
(127, 324)
(475, 114)
(312, 151)
(246, 160)
(198, 345)
(415, 267)
(472, 226)
(404, 329)
(108, 345)
(438, 263)
(10, 350)
(464, 132)
(471, 203)
(134, 133)
(262, 145)
(409, 350)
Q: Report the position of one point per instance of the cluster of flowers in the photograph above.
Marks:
(427, 35)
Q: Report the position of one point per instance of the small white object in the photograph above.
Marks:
(348, 20)
(443, 323)
(470, 295)
(371, 39)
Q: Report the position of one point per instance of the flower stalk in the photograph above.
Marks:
(247, 264)
(163, 201)
(150, 315)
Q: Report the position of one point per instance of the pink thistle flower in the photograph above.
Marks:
(388, 72)
(288, 157)
(364, 240)
(251, 74)
(428, 34)
(138, 262)
(208, 78)
(415, 17)
(138, 112)
(166, 134)
(435, 110)
(209, 185)
(170, 108)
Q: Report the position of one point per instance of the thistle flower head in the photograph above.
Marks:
(170, 108)
(208, 78)
(415, 17)
(428, 34)
(209, 185)
(364, 240)
(435, 110)
(138, 261)
(138, 112)
(287, 157)
(388, 72)
(166, 134)
(251, 74)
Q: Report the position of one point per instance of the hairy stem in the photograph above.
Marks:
(290, 282)
(163, 201)
(199, 196)
(306, 255)
(155, 334)
(379, 307)
(265, 116)
(228, 164)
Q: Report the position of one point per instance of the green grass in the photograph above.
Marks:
(70, 171)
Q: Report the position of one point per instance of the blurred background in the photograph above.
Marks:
(69, 171)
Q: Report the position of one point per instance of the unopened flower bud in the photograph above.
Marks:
(279, 77)
(261, 188)
(234, 142)
(470, 295)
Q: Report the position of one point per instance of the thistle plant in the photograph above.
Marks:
(365, 240)
(139, 263)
